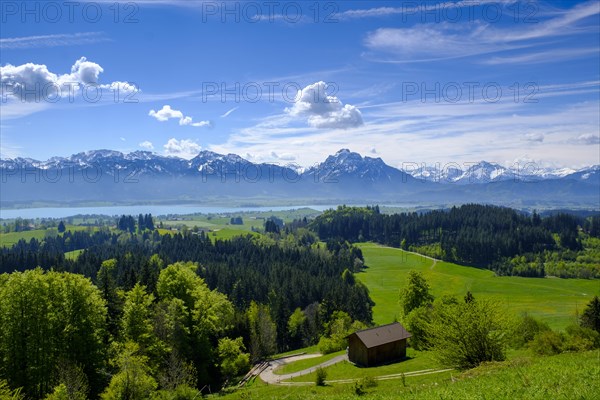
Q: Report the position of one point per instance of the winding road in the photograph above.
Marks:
(268, 376)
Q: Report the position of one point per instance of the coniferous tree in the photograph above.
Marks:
(590, 318)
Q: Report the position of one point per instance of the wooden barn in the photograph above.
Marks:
(380, 345)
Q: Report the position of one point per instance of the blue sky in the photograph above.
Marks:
(408, 81)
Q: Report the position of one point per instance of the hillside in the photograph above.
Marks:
(553, 300)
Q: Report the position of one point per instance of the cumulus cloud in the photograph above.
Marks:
(324, 111)
(35, 82)
(146, 144)
(166, 113)
(184, 148)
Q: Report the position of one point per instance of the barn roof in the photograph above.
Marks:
(382, 334)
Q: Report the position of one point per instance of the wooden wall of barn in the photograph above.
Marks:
(360, 355)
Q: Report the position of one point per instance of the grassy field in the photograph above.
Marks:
(72, 255)
(565, 376)
(8, 239)
(553, 300)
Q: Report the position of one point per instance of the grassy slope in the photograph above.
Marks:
(8, 239)
(566, 376)
(551, 299)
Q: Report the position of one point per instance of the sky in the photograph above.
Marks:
(294, 81)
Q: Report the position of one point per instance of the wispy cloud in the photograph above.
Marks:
(67, 39)
(228, 113)
(445, 132)
(542, 56)
(430, 41)
(411, 8)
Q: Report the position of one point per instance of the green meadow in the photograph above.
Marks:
(8, 239)
(553, 300)
(564, 376)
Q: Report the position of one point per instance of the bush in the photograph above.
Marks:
(7, 394)
(580, 338)
(331, 345)
(417, 323)
(321, 376)
(365, 383)
(526, 329)
(547, 343)
(182, 392)
(463, 335)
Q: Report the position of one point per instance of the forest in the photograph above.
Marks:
(141, 312)
(501, 239)
(176, 311)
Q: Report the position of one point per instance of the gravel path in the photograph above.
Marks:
(270, 377)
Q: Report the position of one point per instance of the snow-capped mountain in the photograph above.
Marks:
(486, 172)
(345, 165)
(142, 176)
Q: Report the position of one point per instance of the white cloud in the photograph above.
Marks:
(184, 148)
(431, 41)
(166, 113)
(587, 139)
(122, 139)
(445, 132)
(283, 157)
(412, 8)
(146, 144)
(35, 83)
(534, 137)
(542, 56)
(27, 42)
(187, 121)
(323, 110)
(226, 114)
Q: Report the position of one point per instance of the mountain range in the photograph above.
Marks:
(106, 176)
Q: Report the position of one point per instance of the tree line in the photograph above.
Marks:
(478, 235)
